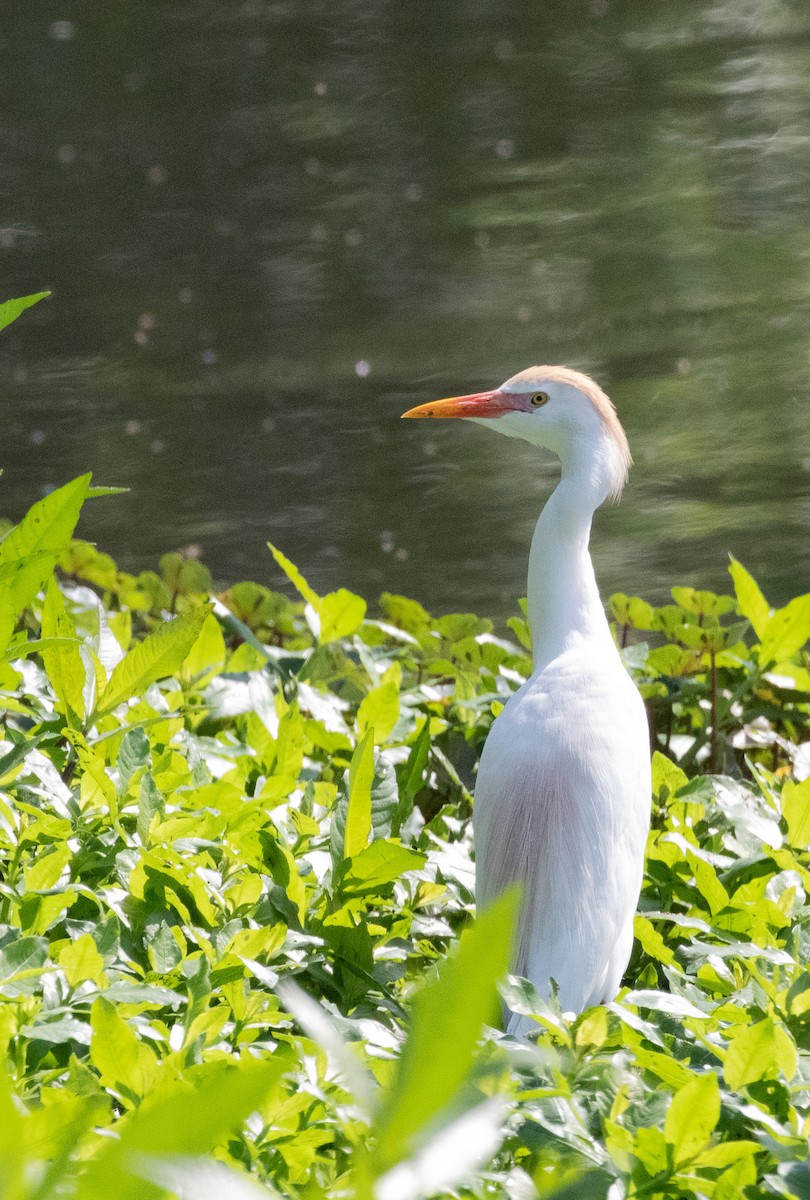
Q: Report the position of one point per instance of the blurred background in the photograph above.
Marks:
(271, 226)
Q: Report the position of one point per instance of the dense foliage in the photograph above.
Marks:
(236, 855)
(205, 798)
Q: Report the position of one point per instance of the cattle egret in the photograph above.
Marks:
(562, 800)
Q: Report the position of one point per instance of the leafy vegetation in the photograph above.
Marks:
(236, 858)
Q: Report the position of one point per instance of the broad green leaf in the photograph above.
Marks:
(208, 654)
(133, 754)
(692, 1116)
(185, 576)
(758, 1052)
(11, 309)
(29, 551)
(750, 600)
(651, 940)
(124, 1062)
(158, 655)
(181, 1118)
(24, 954)
(379, 864)
(379, 710)
(341, 614)
(667, 777)
(80, 960)
(446, 1022)
(786, 631)
(150, 803)
(358, 816)
(709, 886)
(12, 1138)
(796, 811)
(63, 661)
(701, 604)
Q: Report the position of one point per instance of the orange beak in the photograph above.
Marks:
(479, 404)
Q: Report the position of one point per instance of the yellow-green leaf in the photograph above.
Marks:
(379, 710)
(62, 657)
(750, 600)
(29, 551)
(295, 577)
(124, 1063)
(358, 816)
(796, 811)
(158, 655)
(786, 631)
(80, 960)
(692, 1116)
(758, 1052)
(11, 309)
(447, 1016)
(341, 614)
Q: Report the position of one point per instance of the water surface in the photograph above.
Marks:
(271, 227)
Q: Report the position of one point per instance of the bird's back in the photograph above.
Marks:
(562, 805)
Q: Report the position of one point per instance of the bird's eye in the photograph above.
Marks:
(539, 398)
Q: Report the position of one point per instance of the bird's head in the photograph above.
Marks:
(554, 407)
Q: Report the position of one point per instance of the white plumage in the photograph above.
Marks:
(562, 799)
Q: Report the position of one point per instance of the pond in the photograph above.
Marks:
(270, 227)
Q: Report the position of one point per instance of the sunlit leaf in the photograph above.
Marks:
(358, 815)
(692, 1116)
(10, 310)
(786, 631)
(160, 654)
(752, 603)
(448, 1015)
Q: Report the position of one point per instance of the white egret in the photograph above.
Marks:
(562, 799)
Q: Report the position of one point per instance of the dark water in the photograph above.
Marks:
(270, 227)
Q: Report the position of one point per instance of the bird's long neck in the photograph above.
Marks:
(563, 600)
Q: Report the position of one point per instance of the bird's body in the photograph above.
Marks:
(562, 799)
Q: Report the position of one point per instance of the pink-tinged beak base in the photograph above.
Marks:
(479, 404)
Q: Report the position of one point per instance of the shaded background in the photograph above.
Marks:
(270, 227)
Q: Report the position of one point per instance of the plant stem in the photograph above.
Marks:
(715, 752)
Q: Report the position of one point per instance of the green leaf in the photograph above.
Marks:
(295, 577)
(758, 1052)
(341, 614)
(667, 777)
(133, 754)
(29, 551)
(208, 654)
(651, 940)
(80, 960)
(447, 1018)
(786, 631)
(7, 620)
(379, 710)
(158, 655)
(11, 309)
(379, 864)
(701, 604)
(122, 1060)
(796, 811)
(358, 816)
(180, 1119)
(151, 803)
(63, 661)
(750, 600)
(692, 1116)
(414, 773)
